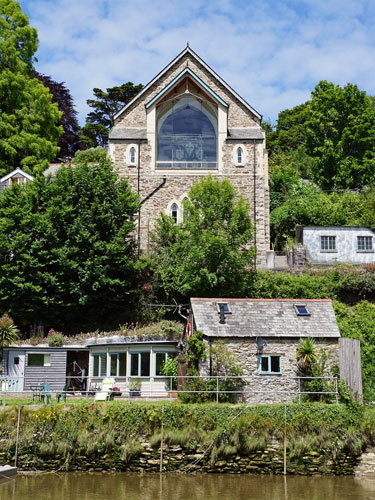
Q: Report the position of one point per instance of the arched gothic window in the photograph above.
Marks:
(239, 156)
(187, 135)
(174, 212)
(132, 156)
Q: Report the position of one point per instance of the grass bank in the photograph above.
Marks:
(127, 436)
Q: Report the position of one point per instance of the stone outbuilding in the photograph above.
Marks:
(186, 123)
(264, 336)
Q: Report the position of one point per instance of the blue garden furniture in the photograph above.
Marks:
(45, 392)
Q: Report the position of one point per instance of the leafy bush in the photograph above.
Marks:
(170, 369)
(55, 339)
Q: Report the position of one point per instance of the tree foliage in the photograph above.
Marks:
(28, 118)
(65, 249)
(105, 106)
(208, 253)
(341, 136)
(69, 142)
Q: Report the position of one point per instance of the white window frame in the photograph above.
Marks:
(166, 357)
(139, 353)
(46, 359)
(171, 210)
(269, 356)
(366, 244)
(117, 354)
(100, 372)
(326, 243)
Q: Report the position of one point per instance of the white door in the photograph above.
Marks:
(16, 369)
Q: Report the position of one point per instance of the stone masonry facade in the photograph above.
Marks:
(250, 178)
(272, 388)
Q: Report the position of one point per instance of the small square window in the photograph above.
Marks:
(16, 360)
(364, 243)
(328, 242)
(302, 310)
(269, 364)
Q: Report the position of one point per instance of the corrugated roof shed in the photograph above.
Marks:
(277, 318)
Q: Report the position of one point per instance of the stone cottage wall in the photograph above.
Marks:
(275, 388)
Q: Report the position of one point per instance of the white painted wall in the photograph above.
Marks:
(346, 245)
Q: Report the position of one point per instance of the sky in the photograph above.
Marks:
(272, 52)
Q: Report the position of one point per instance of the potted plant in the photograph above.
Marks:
(135, 388)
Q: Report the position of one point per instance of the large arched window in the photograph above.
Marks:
(187, 135)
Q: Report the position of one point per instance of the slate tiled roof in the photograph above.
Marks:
(127, 133)
(244, 133)
(266, 318)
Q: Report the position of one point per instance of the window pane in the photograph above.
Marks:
(239, 155)
(159, 363)
(145, 364)
(264, 364)
(35, 360)
(187, 135)
(113, 371)
(134, 364)
(95, 371)
(122, 364)
(275, 364)
(302, 310)
(103, 365)
(47, 360)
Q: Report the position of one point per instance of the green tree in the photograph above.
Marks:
(341, 136)
(105, 106)
(207, 254)
(65, 249)
(28, 119)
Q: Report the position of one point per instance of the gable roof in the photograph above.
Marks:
(276, 318)
(189, 51)
(17, 171)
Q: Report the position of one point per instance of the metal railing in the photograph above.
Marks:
(257, 389)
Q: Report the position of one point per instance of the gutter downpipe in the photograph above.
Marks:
(254, 187)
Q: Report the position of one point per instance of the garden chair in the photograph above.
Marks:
(62, 395)
(105, 394)
(45, 392)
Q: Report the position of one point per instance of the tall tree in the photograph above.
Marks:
(65, 249)
(69, 142)
(208, 254)
(28, 118)
(341, 136)
(105, 106)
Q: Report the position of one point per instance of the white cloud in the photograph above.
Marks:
(272, 52)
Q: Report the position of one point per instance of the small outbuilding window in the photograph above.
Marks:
(364, 243)
(328, 243)
(99, 365)
(223, 306)
(269, 364)
(302, 310)
(38, 359)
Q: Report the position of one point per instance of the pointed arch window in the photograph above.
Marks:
(239, 156)
(187, 135)
(132, 154)
(174, 212)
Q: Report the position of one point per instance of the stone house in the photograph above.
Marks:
(186, 123)
(264, 336)
(326, 245)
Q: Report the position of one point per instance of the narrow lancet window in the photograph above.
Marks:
(239, 156)
(174, 212)
(132, 156)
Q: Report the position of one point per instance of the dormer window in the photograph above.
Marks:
(302, 310)
(132, 154)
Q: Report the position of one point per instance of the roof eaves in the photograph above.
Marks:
(17, 171)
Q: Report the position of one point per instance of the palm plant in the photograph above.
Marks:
(307, 355)
(8, 330)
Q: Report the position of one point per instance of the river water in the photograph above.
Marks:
(129, 486)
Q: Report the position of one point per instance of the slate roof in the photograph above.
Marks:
(266, 318)
(244, 133)
(127, 133)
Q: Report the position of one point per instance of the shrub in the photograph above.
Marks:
(55, 339)
(8, 330)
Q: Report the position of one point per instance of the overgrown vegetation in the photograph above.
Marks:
(221, 430)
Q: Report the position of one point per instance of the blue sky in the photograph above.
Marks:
(272, 52)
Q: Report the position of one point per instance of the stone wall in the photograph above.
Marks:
(275, 388)
(193, 459)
